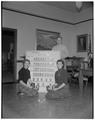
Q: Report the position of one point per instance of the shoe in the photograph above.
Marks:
(20, 93)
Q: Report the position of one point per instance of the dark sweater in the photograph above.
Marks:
(61, 76)
(24, 75)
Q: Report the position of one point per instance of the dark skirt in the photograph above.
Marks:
(27, 91)
(59, 94)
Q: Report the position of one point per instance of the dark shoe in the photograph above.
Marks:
(20, 93)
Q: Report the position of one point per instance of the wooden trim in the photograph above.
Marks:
(4, 83)
(15, 48)
(92, 37)
(43, 17)
(19, 61)
(83, 21)
(30, 14)
(47, 31)
(15, 57)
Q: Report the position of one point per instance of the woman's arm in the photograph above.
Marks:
(21, 81)
(26, 85)
(61, 86)
(54, 85)
(29, 82)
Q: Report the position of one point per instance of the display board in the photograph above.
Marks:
(43, 67)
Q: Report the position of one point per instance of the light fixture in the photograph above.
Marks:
(79, 5)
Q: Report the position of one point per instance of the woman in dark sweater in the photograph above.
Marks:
(60, 89)
(25, 85)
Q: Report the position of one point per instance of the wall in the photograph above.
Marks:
(26, 26)
(83, 28)
(41, 9)
(83, 15)
(26, 30)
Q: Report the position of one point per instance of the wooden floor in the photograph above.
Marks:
(76, 106)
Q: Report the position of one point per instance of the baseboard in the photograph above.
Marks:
(15, 82)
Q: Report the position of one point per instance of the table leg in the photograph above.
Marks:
(81, 81)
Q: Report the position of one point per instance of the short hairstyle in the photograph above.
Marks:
(26, 60)
(60, 60)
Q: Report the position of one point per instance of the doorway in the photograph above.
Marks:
(9, 55)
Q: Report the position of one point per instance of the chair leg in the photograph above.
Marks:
(86, 83)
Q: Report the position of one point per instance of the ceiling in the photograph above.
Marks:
(68, 6)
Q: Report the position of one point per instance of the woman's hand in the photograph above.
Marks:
(29, 82)
(55, 89)
(37, 87)
(49, 88)
(60, 87)
(30, 87)
(54, 86)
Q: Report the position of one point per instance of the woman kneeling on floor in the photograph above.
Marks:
(60, 89)
(25, 85)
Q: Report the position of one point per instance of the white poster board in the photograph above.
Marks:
(43, 67)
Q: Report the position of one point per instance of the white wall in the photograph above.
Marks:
(26, 30)
(83, 28)
(83, 15)
(41, 9)
(26, 26)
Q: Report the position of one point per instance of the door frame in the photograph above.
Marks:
(15, 48)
